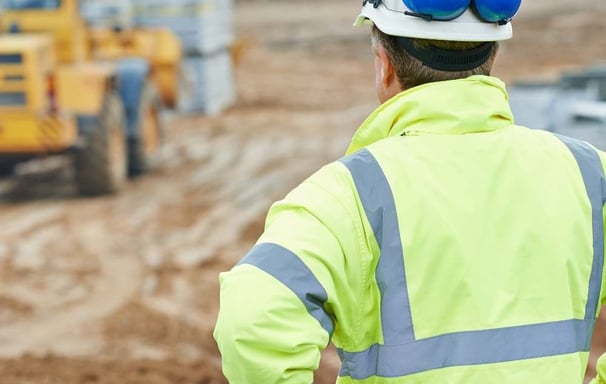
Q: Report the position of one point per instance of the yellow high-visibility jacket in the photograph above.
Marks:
(600, 377)
(449, 246)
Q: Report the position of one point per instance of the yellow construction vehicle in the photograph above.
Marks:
(94, 92)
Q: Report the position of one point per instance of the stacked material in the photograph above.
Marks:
(593, 80)
(574, 106)
(107, 13)
(205, 28)
(208, 84)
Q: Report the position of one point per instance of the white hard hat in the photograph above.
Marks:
(392, 17)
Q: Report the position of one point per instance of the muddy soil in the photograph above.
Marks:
(124, 289)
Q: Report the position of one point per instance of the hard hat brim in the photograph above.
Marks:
(467, 27)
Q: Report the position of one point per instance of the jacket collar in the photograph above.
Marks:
(472, 105)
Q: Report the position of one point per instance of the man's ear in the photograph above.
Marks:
(387, 72)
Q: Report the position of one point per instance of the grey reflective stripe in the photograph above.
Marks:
(397, 358)
(286, 267)
(380, 208)
(593, 176)
(468, 348)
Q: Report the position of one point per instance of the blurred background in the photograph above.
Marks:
(110, 249)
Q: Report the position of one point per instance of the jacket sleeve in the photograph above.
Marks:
(603, 293)
(279, 304)
(601, 371)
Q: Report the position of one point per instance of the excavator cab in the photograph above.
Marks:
(58, 18)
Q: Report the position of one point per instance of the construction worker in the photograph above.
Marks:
(448, 246)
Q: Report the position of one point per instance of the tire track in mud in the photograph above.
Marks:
(93, 258)
(117, 283)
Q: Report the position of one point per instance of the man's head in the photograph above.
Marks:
(421, 41)
(396, 69)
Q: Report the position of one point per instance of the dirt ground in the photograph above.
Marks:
(124, 289)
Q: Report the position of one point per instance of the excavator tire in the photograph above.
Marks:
(7, 169)
(100, 164)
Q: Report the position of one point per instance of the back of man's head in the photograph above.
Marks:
(412, 71)
(438, 40)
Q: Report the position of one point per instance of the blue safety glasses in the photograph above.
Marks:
(492, 11)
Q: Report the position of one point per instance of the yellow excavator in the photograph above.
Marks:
(97, 93)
